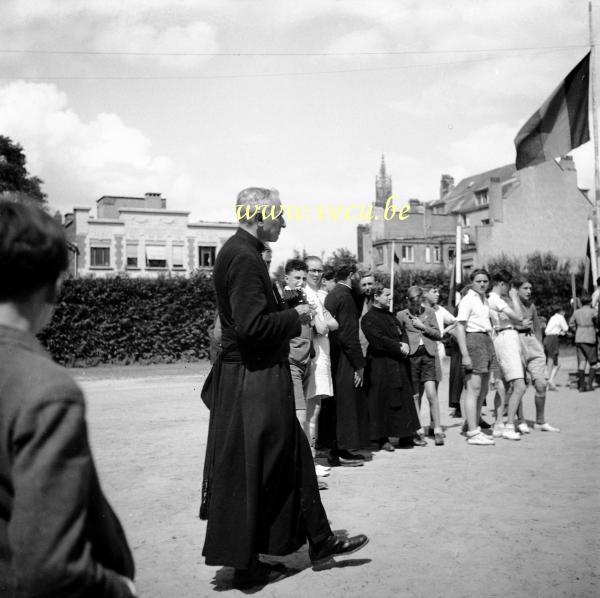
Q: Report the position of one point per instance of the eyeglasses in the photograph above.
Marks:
(314, 271)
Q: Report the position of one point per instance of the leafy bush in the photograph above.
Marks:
(126, 320)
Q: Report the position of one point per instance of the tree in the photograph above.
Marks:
(15, 182)
(341, 257)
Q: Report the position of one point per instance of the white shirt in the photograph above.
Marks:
(474, 311)
(444, 318)
(497, 306)
(595, 298)
(557, 325)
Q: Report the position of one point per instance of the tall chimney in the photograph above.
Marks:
(446, 185)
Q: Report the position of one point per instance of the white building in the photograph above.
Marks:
(139, 236)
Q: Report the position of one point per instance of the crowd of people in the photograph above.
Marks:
(315, 367)
(359, 371)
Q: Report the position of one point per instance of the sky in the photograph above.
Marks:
(197, 99)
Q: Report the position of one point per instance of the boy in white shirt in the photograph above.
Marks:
(557, 326)
(508, 352)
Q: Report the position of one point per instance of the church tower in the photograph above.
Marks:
(383, 185)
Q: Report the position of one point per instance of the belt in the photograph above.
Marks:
(499, 330)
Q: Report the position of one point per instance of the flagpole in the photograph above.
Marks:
(594, 94)
(393, 263)
(593, 250)
(458, 262)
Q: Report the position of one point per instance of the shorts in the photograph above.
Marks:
(534, 358)
(422, 367)
(586, 351)
(481, 351)
(300, 374)
(551, 343)
(508, 354)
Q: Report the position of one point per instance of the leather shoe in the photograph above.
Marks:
(345, 454)
(335, 546)
(335, 461)
(259, 575)
(418, 440)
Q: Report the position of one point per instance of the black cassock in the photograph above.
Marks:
(352, 416)
(392, 410)
(260, 491)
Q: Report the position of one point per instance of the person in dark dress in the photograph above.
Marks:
(259, 492)
(59, 537)
(392, 411)
(347, 368)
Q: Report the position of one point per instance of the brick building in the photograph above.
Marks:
(141, 237)
(500, 211)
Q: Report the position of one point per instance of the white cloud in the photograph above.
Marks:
(80, 161)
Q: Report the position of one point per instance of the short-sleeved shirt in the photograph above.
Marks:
(474, 311)
(556, 325)
(498, 308)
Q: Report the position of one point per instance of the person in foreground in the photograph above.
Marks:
(259, 493)
(59, 537)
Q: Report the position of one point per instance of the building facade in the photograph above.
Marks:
(140, 237)
(500, 211)
(420, 239)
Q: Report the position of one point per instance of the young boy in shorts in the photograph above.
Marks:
(584, 321)
(420, 324)
(474, 339)
(508, 351)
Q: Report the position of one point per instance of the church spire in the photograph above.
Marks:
(383, 185)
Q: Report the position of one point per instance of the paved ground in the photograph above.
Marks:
(516, 519)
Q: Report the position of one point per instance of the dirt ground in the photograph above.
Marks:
(515, 519)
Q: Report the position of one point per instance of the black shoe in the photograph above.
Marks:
(405, 443)
(483, 424)
(335, 546)
(259, 575)
(387, 446)
(335, 461)
(345, 454)
(419, 440)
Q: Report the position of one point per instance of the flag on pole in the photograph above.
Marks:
(561, 124)
(396, 260)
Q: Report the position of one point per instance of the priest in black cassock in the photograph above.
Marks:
(392, 411)
(347, 369)
(259, 492)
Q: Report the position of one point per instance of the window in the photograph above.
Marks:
(100, 257)
(408, 253)
(177, 256)
(465, 220)
(156, 256)
(206, 257)
(451, 253)
(132, 255)
(437, 254)
(481, 197)
(427, 254)
(379, 255)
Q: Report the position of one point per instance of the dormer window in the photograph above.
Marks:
(481, 197)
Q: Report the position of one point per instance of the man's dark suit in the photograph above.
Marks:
(58, 535)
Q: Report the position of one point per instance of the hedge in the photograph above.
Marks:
(125, 320)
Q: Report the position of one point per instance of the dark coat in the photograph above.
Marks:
(58, 535)
(430, 335)
(260, 491)
(392, 410)
(346, 358)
